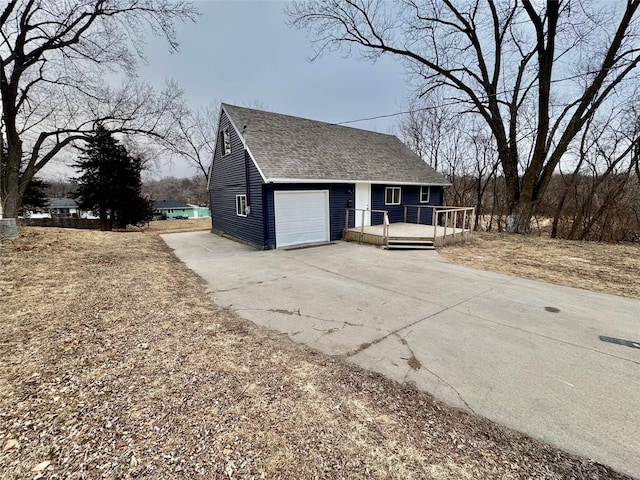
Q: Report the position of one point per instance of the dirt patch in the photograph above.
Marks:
(600, 267)
(116, 364)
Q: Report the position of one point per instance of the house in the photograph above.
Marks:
(278, 180)
(60, 208)
(64, 207)
(56, 208)
(175, 209)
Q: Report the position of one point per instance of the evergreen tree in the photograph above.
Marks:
(110, 184)
(35, 196)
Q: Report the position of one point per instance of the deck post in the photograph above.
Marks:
(362, 227)
(346, 220)
(473, 222)
(405, 214)
(385, 229)
(446, 221)
(455, 224)
(419, 207)
(464, 223)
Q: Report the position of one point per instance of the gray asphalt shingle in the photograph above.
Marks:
(287, 148)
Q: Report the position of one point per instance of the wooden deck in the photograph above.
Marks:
(438, 235)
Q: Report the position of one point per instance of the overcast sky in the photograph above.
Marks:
(243, 52)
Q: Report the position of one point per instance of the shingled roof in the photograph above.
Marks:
(291, 149)
(165, 204)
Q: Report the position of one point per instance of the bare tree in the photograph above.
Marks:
(429, 128)
(194, 132)
(459, 146)
(54, 58)
(535, 73)
(188, 190)
(195, 136)
(591, 197)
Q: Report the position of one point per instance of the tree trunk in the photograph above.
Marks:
(519, 219)
(12, 189)
(560, 207)
(11, 205)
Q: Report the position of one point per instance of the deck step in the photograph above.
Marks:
(409, 247)
(411, 239)
(410, 244)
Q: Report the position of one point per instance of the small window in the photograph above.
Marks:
(226, 142)
(241, 205)
(392, 196)
(425, 194)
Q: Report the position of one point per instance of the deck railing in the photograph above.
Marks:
(446, 224)
(363, 212)
(456, 221)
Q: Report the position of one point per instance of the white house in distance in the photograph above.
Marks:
(60, 208)
(57, 207)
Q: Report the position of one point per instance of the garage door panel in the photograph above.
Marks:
(301, 217)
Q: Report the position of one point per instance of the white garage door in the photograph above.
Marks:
(301, 217)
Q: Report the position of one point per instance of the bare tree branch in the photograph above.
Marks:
(54, 56)
(534, 72)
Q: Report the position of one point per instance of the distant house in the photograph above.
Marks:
(64, 207)
(175, 209)
(58, 208)
(278, 180)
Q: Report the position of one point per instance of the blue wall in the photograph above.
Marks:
(410, 195)
(229, 177)
(339, 197)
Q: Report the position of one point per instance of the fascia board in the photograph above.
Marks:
(244, 144)
(332, 180)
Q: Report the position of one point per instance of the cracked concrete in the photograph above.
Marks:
(525, 354)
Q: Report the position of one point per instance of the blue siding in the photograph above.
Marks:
(410, 195)
(236, 174)
(231, 175)
(339, 197)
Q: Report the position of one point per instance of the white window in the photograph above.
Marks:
(241, 205)
(226, 142)
(425, 194)
(392, 196)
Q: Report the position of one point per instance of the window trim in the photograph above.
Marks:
(422, 187)
(393, 189)
(226, 142)
(239, 204)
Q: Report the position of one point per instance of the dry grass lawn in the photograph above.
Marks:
(116, 364)
(175, 226)
(600, 267)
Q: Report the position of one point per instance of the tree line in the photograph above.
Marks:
(191, 190)
(530, 79)
(593, 195)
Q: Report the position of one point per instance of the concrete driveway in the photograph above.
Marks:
(522, 353)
